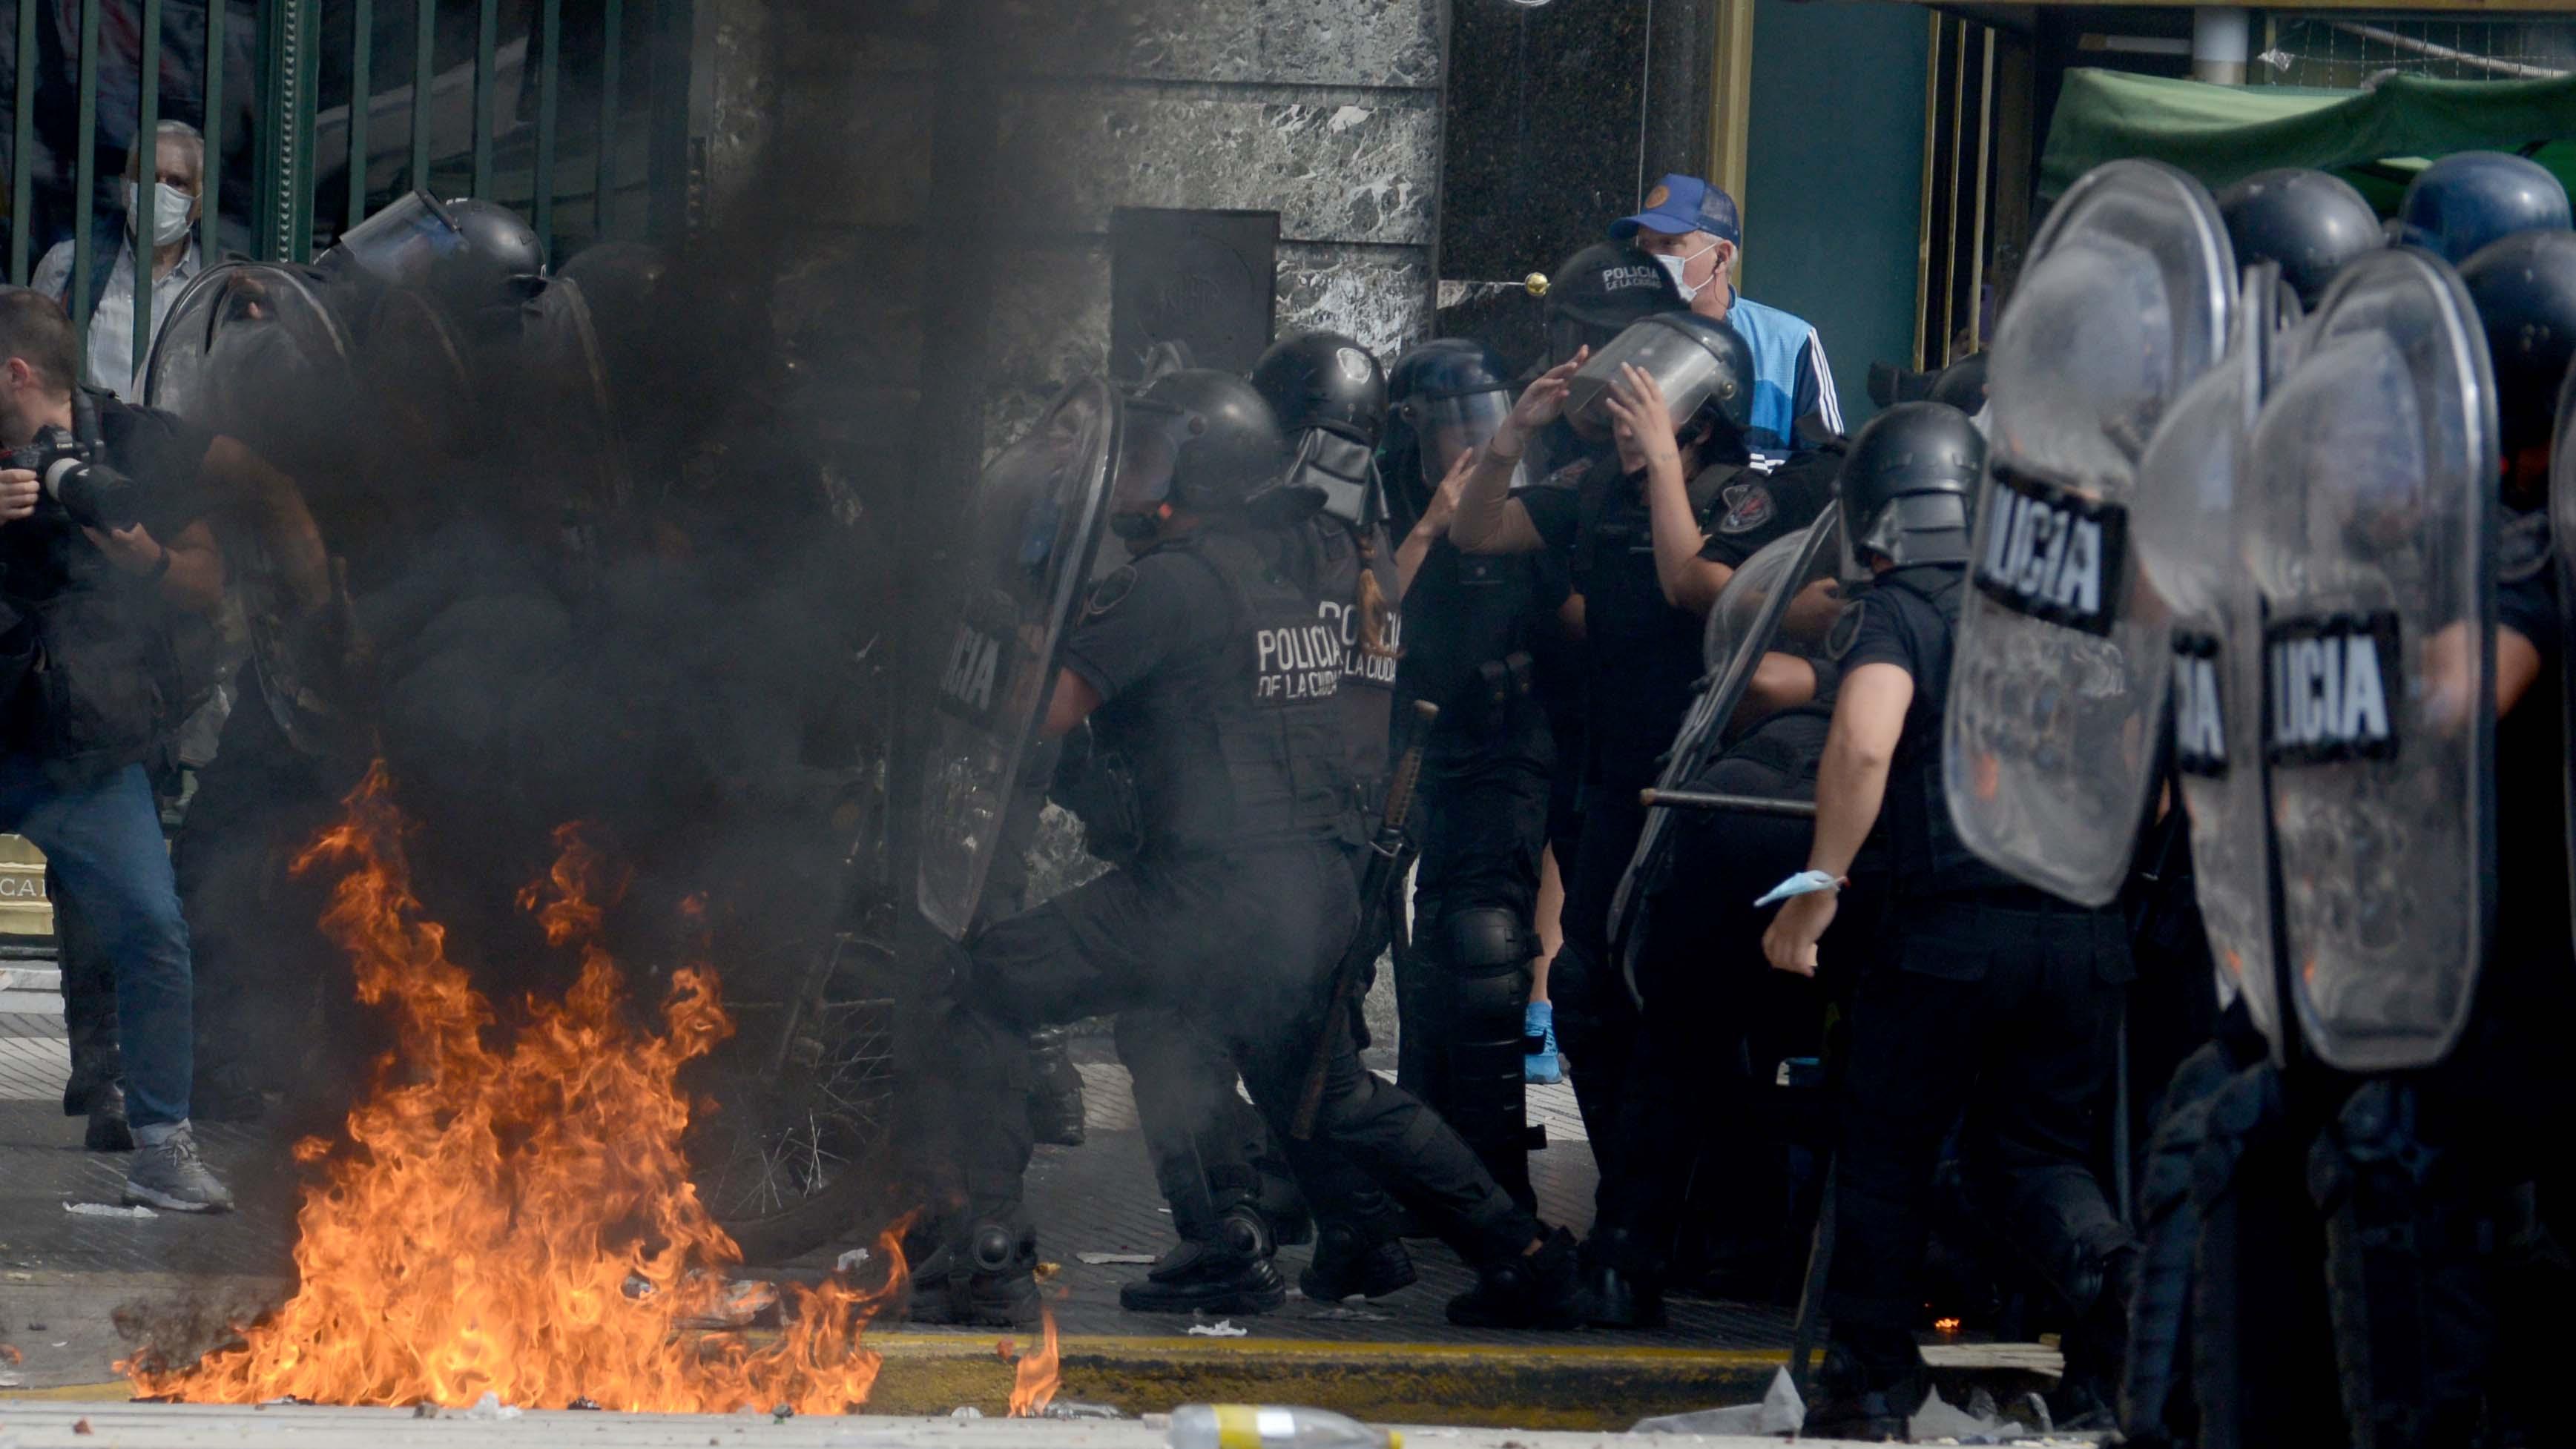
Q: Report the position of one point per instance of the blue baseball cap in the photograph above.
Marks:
(1680, 204)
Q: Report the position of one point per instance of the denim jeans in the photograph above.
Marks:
(102, 837)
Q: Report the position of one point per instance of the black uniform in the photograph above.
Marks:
(1990, 996)
(1217, 681)
(1481, 818)
(1642, 657)
(1210, 1152)
(1717, 1023)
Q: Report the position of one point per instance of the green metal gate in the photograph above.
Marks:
(316, 113)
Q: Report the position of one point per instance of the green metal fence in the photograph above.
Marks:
(527, 102)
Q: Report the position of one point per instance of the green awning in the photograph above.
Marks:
(2373, 138)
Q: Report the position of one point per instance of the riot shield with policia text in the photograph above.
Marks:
(2057, 693)
(2190, 523)
(1743, 623)
(1032, 530)
(2373, 549)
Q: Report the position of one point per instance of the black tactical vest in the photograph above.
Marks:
(1643, 654)
(1924, 850)
(1238, 741)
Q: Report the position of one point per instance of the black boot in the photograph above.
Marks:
(1349, 1264)
(108, 1131)
(1283, 1205)
(987, 1281)
(1621, 1287)
(1872, 1382)
(1056, 1105)
(1523, 1290)
(1232, 1274)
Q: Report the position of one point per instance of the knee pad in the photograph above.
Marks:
(1486, 941)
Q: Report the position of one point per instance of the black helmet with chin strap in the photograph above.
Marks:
(1907, 481)
(1196, 439)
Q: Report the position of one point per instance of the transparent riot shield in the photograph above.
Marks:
(254, 351)
(565, 398)
(1033, 529)
(2562, 528)
(2193, 515)
(2373, 548)
(1746, 620)
(2056, 692)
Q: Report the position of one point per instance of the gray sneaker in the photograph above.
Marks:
(169, 1175)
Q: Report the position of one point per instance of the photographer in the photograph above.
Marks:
(104, 566)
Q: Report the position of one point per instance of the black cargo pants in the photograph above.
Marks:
(1242, 947)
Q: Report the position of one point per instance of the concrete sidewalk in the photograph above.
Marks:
(66, 1277)
(188, 1426)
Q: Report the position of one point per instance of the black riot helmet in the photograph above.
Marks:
(2307, 221)
(2459, 204)
(1198, 439)
(1599, 292)
(476, 258)
(2524, 287)
(1323, 380)
(1705, 369)
(1329, 396)
(1444, 397)
(1907, 481)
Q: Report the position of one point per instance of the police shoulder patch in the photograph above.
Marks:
(1111, 590)
(1844, 633)
(1748, 507)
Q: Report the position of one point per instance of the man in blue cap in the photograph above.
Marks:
(1693, 230)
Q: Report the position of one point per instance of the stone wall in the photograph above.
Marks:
(1325, 111)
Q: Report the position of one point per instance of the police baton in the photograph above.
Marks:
(1742, 804)
(1386, 853)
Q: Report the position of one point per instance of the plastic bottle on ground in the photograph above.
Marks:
(1272, 1426)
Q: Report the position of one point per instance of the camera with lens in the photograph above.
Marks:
(93, 493)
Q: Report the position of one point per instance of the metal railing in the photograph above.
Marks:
(295, 132)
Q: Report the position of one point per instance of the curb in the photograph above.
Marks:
(1569, 1388)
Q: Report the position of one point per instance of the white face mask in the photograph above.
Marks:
(170, 212)
(1678, 265)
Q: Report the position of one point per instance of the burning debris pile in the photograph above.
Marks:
(518, 1220)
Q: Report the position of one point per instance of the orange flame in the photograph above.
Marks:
(518, 1221)
(1034, 1381)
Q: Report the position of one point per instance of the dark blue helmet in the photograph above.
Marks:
(2525, 290)
(2309, 222)
(2460, 203)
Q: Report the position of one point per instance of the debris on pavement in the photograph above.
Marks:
(102, 1210)
(1781, 1411)
(1097, 1259)
(1222, 1328)
(490, 1407)
(851, 1261)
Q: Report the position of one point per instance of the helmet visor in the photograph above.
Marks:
(403, 243)
(1683, 366)
(1450, 426)
(1149, 452)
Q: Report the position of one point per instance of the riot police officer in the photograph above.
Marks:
(1208, 681)
(1990, 995)
(1481, 808)
(1654, 530)
(1328, 395)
